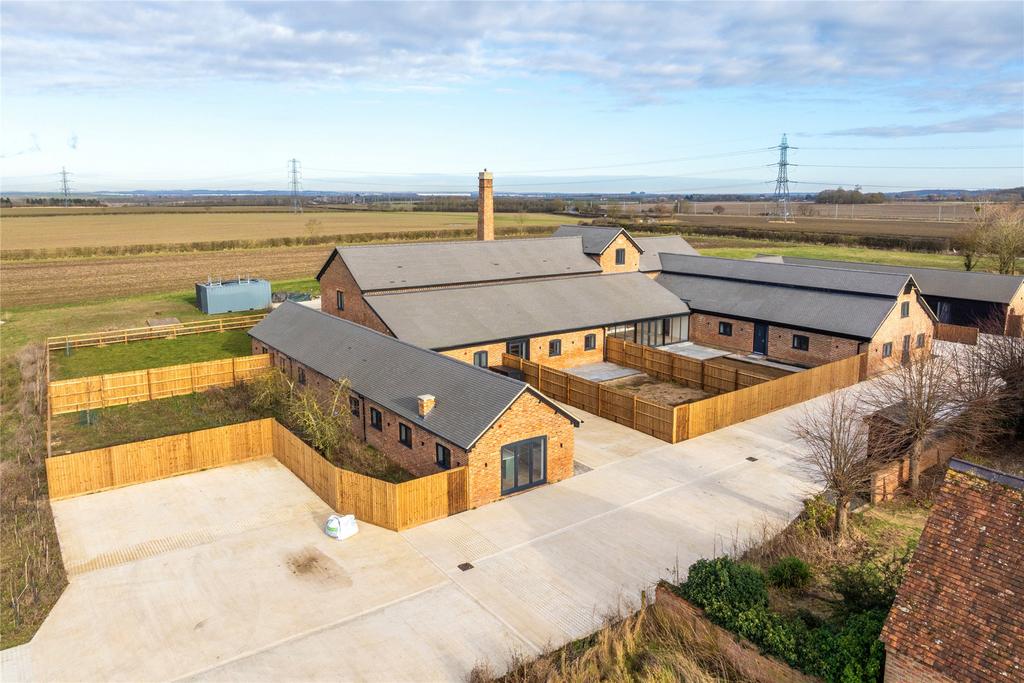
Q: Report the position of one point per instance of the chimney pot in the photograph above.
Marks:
(485, 207)
(425, 404)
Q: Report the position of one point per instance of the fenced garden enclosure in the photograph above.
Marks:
(133, 334)
(959, 334)
(743, 392)
(385, 504)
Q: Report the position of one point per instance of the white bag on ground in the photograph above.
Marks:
(341, 526)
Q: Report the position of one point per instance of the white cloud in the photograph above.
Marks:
(1004, 120)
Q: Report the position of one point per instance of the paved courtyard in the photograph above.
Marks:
(226, 575)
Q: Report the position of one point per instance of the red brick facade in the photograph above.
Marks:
(895, 329)
(527, 417)
(573, 350)
(338, 278)
(607, 258)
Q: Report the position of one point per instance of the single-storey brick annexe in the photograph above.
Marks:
(425, 411)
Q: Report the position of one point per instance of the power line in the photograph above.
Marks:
(918, 168)
(293, 173)
(897, 149)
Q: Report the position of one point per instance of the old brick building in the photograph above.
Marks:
(801, 315)
(959, 614)
(424, 410)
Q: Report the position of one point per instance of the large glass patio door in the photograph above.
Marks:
(523, 464)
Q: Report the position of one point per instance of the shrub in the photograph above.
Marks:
(818, 516)
(871, 584)
(790, 572)
(725, 587)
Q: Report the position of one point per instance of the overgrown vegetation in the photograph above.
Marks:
(30, 563)
(155, 353)
(653, 645)
(813, 603)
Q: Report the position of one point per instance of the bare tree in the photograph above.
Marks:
(324, 419)
(917, 399)
(972, 244)
(979, 395)
(836, 441)
(1004, 357)
(1003, 227)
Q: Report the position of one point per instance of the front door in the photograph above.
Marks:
(761, 338)
(523, 464)
(518, 347)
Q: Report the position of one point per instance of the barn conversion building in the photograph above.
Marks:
(993, 303)
(423, 410)
(802, 315)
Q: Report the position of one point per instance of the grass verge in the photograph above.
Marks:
(101, 360)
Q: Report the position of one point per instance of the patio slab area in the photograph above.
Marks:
(694, 351)
(602, 372)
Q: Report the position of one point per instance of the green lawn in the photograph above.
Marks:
(101, 360)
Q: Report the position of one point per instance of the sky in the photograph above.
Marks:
(592, 97)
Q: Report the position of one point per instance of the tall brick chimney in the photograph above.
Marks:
(485, 207)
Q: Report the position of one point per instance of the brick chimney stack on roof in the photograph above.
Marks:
(425, 404)
(485, 207)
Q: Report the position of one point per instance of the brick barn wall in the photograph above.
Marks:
(894, 327)
(338, 277)
(607, 259)
(526, 418)
(573, 352)
(902, 669)
(704, 330)
(821, 348)
(1016, 308)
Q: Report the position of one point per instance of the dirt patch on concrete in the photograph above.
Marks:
(310, 563)
(656, 391)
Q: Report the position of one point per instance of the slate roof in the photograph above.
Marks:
(954, 284)
(654, 247)
(960, 609)
(596, 238)
(808, 277)
(453, 317)
(431, 264)
(393, 373)
(852, 315)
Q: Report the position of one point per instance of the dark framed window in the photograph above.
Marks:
(620, 257)
(920, 340)
(302, 375)
(725, 329)
(801, 342)
(906, 344)
(590, 342)
(353, 405)
(404, 435)
(480, 359)
(555, 347)
(443, 456)
(376, 419)
(886, 349)
(905, 309)
(339, 300)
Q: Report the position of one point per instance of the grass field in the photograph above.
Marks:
(49, 231)
(899, 258)
(194, 348)
(843, 226)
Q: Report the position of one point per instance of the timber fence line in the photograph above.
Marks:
(382, 503)
(961, 334)
(125, 336)
(135, 386)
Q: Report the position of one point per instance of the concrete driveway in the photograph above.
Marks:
(225, 574)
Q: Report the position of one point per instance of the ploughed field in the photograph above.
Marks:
(821, 224)
(47, 229)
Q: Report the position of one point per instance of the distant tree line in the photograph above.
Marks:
(855, 196)
(501, 204)
(58, 201)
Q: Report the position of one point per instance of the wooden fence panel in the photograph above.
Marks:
(654, 419)
(553, 383)
(134, 334)
(960, 334)
(680, 416)
(428, 498)
(584, 394)
(688, 371)
(103, 391)
(134, 463)
(614, 350)
(744, 404)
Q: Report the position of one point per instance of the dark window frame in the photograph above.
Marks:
(353, 405)
(554, 348)
(920, 340)
(478, 356)
(801, 342)
(724, 329)
(405, 435)
(590, 342)
(905, 309)
(339, 300)
(302, 375)
(620, 256)
(887, 350)
(442, 456)
(376, 419)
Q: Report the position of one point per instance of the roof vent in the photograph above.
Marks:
(425, 404)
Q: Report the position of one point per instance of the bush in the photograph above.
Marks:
(789, 572)
(871, 584)
(818, 516)
(723, 586)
